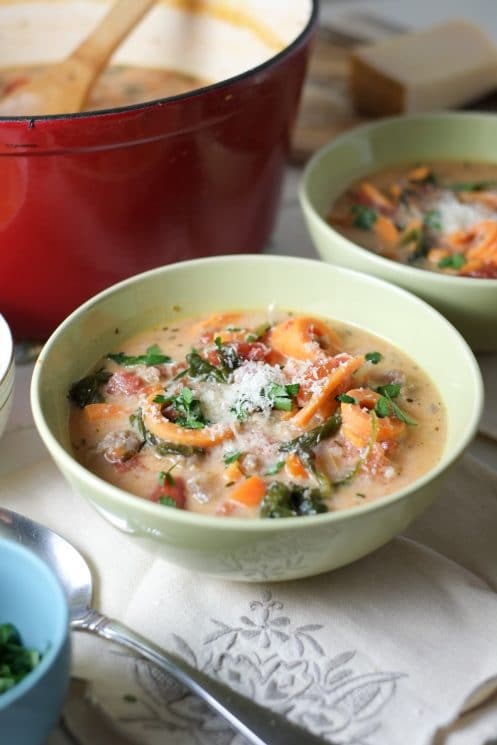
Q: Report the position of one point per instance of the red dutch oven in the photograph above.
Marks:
(89, 199)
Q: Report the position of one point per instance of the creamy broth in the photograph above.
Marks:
(247, 404)
(440, 216)
(119, 85)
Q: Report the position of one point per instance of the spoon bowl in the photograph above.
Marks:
(254, 722)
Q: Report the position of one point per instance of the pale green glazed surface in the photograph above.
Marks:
(470, 304)
(256, 549)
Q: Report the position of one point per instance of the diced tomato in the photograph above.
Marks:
(254, 351)
(125, 383)
(176, 491)
(487, 271)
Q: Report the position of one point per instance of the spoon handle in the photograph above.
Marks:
(258, 724)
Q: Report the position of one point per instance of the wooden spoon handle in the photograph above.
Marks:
(98, 47)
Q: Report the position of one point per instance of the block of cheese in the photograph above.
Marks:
(444, 66)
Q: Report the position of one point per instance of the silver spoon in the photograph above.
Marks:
(257, 724)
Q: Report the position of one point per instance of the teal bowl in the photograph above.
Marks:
(256, 549)
(470, 304)
(32, 599)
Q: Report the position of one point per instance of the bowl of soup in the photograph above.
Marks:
(179, 154)
(256, 417)
(413, 200)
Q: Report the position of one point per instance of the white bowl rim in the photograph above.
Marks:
(376, 259)
(6, 351)
(114, 493)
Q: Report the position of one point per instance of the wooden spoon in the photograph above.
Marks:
(65, 86)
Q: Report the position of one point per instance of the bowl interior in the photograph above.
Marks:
(213, 41)
(225, 283)
(34, 602)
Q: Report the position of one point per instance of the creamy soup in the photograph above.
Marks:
(440, 216)
(119, 85)
(257, 414)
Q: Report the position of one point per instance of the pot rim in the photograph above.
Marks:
(226, 82)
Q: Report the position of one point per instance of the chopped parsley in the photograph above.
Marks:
(166, 477)
(167, 502)
(281, 395)
(275, 468)
(433, 220)
(373, 357)
(16, 660)
(454, 261)
(153, 356)
(231, 457)
(363, 217)
(344, 398)
(87, 390)
(186, 408)
(386, 406)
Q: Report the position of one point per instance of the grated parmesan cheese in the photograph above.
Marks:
(454, 215)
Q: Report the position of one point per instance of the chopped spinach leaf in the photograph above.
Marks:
(161, 447)
(87, 390)
(292, 500)
(373, 357)
(372, 439)
(200, 368)
(363, 217)
(153, 356)
(309, 440)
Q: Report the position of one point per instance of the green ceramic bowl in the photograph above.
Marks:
(470, 304)
(256, 549)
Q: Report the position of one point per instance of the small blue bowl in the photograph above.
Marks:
(32, 599)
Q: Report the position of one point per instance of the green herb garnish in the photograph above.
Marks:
(281, 395)
(373, 357)
(167, 502)
(231, 457)
(472, 185)
(87, 390)
(187, 409)
(433, 220)
(200, 368)
(344, 398)
(275, 468)
(454, 261)
(166, 477)
(153, 356)
(386, 406)
(364, 217)
(309, 440)
(16, 660)
(282, 500)
(161, 447)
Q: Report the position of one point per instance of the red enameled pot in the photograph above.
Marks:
(89, 199)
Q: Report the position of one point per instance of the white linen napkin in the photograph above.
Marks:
(388, 650)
